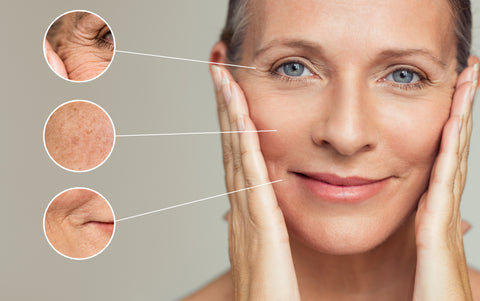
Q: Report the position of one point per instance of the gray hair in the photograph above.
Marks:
(238, 17)
(235, 29)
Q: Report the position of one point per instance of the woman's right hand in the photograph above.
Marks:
(260, 255)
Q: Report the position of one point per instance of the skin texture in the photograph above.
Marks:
(347, 117)
(79, 136)
(79, 46)
(79, 223)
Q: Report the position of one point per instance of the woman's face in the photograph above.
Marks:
(355, 89)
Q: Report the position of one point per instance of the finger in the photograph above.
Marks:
(468, 75)
(224, 121)
(465, 92)
(461, 108)
(236, 106)
(263, 207)
(441, 187)
(55, 61)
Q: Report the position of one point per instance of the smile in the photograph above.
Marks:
(336, 189)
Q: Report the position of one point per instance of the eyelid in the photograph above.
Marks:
(102, 42)
(289, 60)
(421, 83)
(390, 69)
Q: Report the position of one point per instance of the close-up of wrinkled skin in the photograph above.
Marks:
(79, 223)
(79, 46)
(79, 136)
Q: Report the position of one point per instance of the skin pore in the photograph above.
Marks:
(354, 88)
(79, 136)
(79, 223)
(79, 46)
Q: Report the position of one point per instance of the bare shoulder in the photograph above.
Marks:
(474, 276)
(220, 289)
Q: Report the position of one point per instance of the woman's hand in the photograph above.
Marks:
(441, 272)
(260, 256)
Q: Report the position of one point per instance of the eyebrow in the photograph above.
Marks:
(79, 16)
(317, 48)
(300, 44)
(399, 53)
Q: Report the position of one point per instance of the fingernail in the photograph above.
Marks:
(227, 92)
(460, 124)
(240, 123)
(474, 89)
(476, 67)
(217, 77)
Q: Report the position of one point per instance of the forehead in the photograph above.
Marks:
(359, 25)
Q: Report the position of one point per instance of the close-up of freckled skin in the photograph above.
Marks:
(79, 136)
(79, 223)
(83, 42)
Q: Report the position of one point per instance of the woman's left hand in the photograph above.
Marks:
(441, 271)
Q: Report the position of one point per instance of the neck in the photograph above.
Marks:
(383, 273)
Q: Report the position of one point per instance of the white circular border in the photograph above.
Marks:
(45, 53)
(82, 258)
(111, 150)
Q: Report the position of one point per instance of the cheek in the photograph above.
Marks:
(271, 110)
(410, 134)
(79, 140)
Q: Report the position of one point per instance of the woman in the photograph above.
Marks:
(374, 119)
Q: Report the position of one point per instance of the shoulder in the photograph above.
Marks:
(220, 289)
(474, 276)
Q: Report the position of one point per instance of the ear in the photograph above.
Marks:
(219, 53)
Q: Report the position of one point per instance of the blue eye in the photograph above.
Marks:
(294, 69)
(403, 76)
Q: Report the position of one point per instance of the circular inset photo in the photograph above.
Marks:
(79, 136)
(79, 223)
(79, 46)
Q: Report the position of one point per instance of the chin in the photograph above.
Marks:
(347, 235)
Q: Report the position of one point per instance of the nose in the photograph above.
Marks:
(347, 123)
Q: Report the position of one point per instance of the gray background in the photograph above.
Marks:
(157, 257)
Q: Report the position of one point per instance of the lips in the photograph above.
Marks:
(103, 226)
(336, 189)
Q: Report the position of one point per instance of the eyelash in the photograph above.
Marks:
(420, 84)
(291, 79)
(102, 42)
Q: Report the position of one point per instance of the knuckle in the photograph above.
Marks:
(250, 181)
(227, 157)
(237, 163)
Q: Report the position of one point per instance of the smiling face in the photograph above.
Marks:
(84, 43)
(359, 92)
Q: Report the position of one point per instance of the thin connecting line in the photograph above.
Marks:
(196, 201)
(184, 59)
(194, 133)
